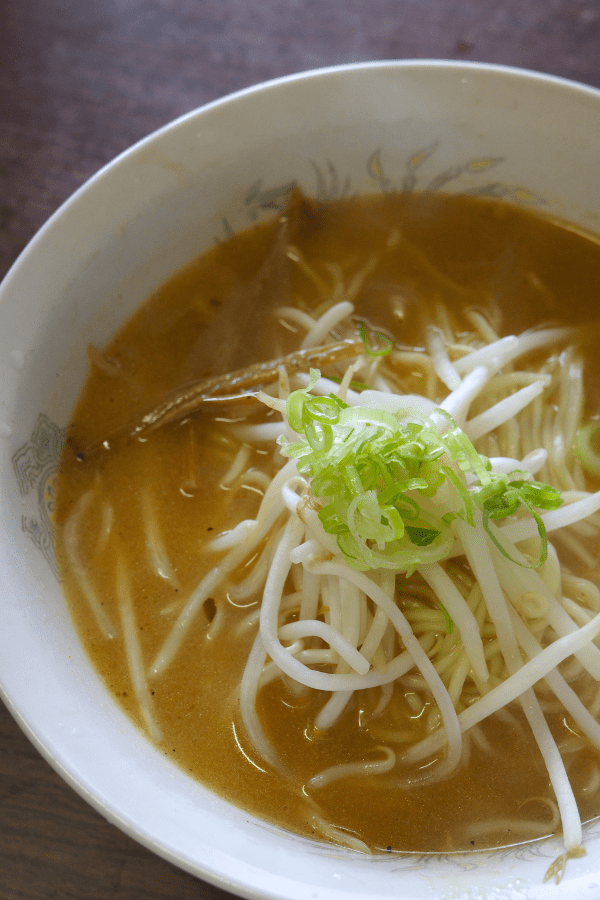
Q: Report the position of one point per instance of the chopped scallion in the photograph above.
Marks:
(375, 472)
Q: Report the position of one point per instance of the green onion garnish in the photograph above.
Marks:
(383, 339)
(391, 485)
(449, 622)
(587, 446)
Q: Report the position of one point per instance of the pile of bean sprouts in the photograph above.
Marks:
(337, 630)
(329, 627)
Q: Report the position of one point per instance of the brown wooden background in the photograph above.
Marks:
(81, 80)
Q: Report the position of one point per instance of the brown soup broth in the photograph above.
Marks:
(414, 252)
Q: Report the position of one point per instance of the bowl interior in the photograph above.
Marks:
(367, 128)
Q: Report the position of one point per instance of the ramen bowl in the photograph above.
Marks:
(461, 128)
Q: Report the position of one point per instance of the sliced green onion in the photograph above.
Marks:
(297, 399)
(323, 409)
(387, 342)
(378, 479)
(449, 622)
(422, 537)
(587, 447)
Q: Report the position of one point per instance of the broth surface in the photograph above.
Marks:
(414, 252)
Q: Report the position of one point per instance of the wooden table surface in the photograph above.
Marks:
(81, 80)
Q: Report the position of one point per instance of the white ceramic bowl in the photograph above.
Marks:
(407, 125)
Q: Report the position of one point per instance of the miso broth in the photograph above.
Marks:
(150, 507)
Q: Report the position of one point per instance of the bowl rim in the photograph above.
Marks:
(276, 83)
